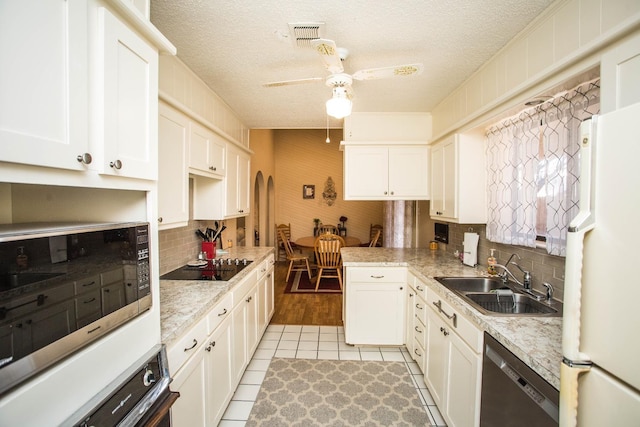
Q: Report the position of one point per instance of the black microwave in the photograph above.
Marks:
(64, 285)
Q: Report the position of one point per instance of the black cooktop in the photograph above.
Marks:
(215, 269)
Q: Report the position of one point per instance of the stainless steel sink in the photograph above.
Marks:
(472, 284)
(480, 293)
(512, 304)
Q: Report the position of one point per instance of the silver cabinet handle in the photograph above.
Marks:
(451, 317)
(116, 165)
(84, 158)
(195, 343)
(377, 277)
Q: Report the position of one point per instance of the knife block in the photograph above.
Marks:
(209, 248)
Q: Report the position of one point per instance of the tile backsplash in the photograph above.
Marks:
(543, 267)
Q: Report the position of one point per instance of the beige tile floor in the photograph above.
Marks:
(314, 342)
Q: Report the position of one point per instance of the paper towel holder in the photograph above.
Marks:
(441, 232)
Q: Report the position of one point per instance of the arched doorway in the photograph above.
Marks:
(259, 205)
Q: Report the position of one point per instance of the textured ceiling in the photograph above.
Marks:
(235, 47)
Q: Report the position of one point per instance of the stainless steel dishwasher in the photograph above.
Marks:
(512, 393)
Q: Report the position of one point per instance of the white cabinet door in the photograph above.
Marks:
(366, 172)
(463, 384)
(458, 180)
(239, 342)
(375, 303)
(219, 368)
(452, 373)
(189, 381)
(408, 172)
(237, 183)
(380, 172)
(206, 152)
(265, 290)
(253, 301)
(129, 85)
(173, 181)
(44, 83)
(435, 373)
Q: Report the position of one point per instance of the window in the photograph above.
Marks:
(534, 170)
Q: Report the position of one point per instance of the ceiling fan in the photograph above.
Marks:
(339, 105)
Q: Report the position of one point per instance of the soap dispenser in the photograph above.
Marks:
(491, 263)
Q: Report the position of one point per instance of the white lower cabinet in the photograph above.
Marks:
(453, 363)
(208, 362)
(375, 306)
(218, 386)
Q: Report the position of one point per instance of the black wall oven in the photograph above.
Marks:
(63, 286)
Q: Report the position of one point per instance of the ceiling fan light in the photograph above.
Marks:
(339, 106)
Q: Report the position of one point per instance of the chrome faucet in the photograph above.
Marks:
(526, 279)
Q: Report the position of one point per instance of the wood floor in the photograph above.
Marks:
(304, 309)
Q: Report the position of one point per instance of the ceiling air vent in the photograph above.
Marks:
(302, 33)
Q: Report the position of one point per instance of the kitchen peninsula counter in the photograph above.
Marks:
(184, 302)
(535, 340)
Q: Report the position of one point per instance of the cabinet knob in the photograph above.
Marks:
(392, 193)
(385, 193)
(160, 219)
(116, 165)
(213, 168)
(84, 158)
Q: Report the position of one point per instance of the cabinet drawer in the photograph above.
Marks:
(186, 346)
(421, 289)
(420, 310)
(221, 311)
(381, 274)
(419, 332)
(87, 284)
(464, 328)
(241, 289)
(266, 265)
(88, 303)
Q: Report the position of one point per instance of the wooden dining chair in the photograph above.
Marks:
(374, 230)
(282, 253)
(297, 261)
(328, 259)
(328, 228)
(374, 240)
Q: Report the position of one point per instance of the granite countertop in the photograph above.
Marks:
(535, 340)
(184, 302)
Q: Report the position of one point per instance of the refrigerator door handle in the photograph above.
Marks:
(580, 225)
(569, 373)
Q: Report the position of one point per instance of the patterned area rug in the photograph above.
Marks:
(299, 283)
(302, 392)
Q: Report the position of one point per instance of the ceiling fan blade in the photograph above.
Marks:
(329, 53)
(385, 72)
(294, 82)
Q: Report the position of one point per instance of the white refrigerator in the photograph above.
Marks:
(600, 372)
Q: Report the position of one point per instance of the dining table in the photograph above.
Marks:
(309, 241)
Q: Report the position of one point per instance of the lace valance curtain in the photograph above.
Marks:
(533, 170)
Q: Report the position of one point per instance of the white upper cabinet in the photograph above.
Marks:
(237, 183)
(228, 197)
(207, 152)
(173, 182)
(44, 83)
(386, 172)
(387, 127)
(129, 72)
(458, 180)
